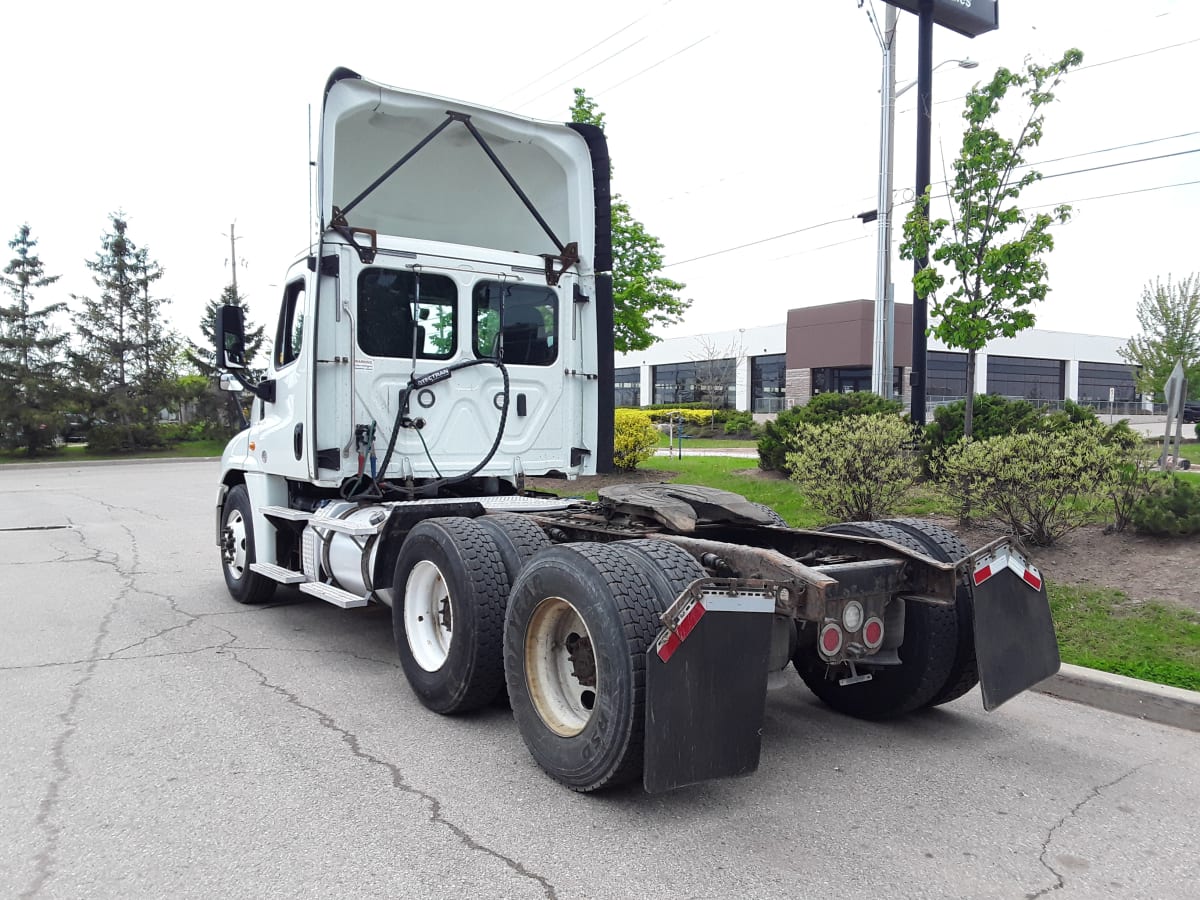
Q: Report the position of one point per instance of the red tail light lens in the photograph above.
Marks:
(872, 633)
(831, 639)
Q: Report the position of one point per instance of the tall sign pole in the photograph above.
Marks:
(970, 19)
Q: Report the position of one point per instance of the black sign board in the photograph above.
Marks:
(967, 17)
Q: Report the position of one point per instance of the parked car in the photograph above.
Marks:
(1191, 412)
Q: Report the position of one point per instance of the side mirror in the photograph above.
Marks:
(229, 383)
(231, 338)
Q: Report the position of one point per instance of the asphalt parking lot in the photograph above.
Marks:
(162, 741)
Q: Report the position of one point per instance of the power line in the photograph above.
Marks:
(654, 66)
(1109, 149)
(585, 52)
(584, 72)
(765, 240)
(1104, 62)
(861, 237)
(1127, 162)
(1160, 187)
(776, 237)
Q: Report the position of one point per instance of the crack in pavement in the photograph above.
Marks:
(398, 780)
(1060, 879)
(44, 860)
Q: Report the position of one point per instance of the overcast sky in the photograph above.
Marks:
(728, 124)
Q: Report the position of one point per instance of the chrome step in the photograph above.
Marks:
(284, 512)
(278, 573)
(334, 595)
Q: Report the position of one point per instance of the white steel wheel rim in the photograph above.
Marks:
(237, 530)
(428, 622)
(562, 689)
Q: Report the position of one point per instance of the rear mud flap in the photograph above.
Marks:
(1015, 644)
(706, 687)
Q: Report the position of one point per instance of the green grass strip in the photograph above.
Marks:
(1103, 629)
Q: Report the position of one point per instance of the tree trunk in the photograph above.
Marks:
(964, 512)
(969, 410)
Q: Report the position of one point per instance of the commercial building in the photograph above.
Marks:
(828, 348)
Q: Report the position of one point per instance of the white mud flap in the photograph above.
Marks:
(1015, 643)
(706, 687)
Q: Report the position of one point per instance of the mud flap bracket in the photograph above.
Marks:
(706, 688)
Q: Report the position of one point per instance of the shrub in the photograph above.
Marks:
(124, 438)
(739, 423)
(994, 416)
(1041, 484)
(634, 438)
(822, 409)
(1171, 507)
(853, 468)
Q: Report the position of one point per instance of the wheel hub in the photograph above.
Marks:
(561, 668)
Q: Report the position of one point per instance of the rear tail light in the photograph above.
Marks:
(831, 639)
(852, 616)
(872, 633)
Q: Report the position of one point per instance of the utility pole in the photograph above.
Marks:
(881, 359)
(233, 260)
(924, 134)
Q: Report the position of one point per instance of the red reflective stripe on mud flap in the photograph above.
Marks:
(982, 574)
(669, 641)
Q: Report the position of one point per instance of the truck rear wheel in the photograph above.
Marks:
(580, 620)
(517, 538)
(449, 595)
(668, 567)
(927, 653)
(237, 550)
(942, 544)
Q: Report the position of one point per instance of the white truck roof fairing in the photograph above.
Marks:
(448, 189)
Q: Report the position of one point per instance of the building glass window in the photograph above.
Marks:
(768, 383)
(1026, 377)
(945, 375)
(1096, 378)
(676, 383)
(394, 318)
(627, 387)
(848, 379)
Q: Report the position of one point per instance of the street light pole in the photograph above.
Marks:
(924, 136)
(881, 358)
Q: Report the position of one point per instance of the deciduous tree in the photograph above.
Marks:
(1170, 318)
(994, 250)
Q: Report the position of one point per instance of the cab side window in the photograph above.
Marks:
(290, 331)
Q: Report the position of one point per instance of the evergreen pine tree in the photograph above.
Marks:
(125, 357)
(31, 377)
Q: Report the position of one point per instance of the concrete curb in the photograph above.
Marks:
(1128, 696)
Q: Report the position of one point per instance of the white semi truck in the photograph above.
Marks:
(450, 333)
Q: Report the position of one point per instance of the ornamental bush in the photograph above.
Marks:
(854, 468)
(1041, 484)
(822, 409)
(634, 439)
